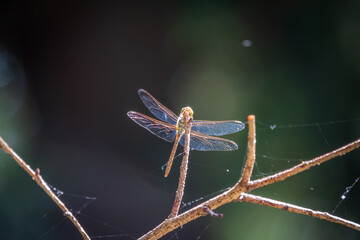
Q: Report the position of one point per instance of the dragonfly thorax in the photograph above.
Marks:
(180, 126)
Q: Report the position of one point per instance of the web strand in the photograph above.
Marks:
(344, 195)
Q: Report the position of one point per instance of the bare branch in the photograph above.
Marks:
(250, 159)
(41, 182)
(233, 194)
(303, 166)
(245, 197)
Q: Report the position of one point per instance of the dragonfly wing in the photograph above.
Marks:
(217, 128)
(163, 130)
(156, 108)
(202, 142)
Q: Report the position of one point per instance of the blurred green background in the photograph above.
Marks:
(69, 72)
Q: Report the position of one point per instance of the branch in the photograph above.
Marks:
(250, 158)
(35, 175)
(233, 194)
(245, 197)
(281, 176)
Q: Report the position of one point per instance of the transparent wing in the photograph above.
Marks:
(156, 108)
(217, 128)
(203, 142)
(163, 130)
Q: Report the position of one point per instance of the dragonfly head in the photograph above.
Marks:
(188, 110)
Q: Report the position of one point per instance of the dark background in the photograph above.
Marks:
(69, 72)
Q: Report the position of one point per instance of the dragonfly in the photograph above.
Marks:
(170, 127)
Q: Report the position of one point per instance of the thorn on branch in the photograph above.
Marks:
(212, 213)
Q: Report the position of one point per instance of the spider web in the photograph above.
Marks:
(267, 163)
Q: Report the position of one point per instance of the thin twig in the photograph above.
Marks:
(303, 166)
(250, 159)
(41, 182)
(233, 194)
(183, 167)
(245, 197)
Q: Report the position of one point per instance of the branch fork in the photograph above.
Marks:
(239, 192)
